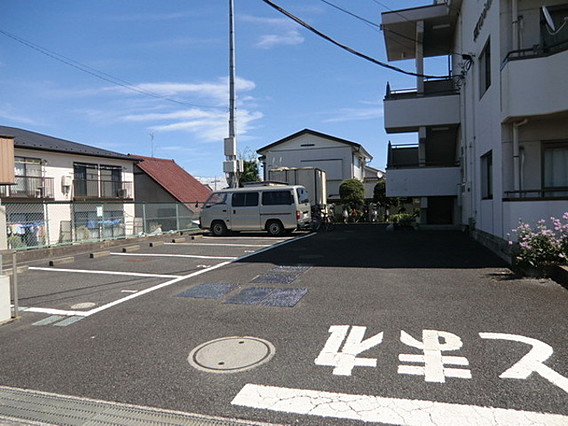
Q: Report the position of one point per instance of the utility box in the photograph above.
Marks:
(311, 178)
(7, 176)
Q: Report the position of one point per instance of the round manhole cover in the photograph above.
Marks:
(231, 354)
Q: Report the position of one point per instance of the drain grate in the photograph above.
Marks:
(208, 291)
(21, 407)
(286, 297)
(298, 269)
(278, 278)
(264, 296)
(250, 296)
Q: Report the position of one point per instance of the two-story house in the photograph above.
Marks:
(62, 188)
(339, 158)
(492, 140)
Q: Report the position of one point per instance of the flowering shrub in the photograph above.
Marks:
(542, 246)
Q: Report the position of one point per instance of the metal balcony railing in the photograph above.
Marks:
(434, 87)
(28, 187)
(106, 189)
(406, 156)
(560, 192)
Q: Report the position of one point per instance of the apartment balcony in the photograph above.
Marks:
(407, 110)
(408, 177)
(28, 187)
(534, 82)
(93, 189)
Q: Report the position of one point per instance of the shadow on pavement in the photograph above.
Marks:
(372, 246)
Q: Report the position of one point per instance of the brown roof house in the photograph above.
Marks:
(168, 197)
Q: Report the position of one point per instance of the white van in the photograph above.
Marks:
(275, 209)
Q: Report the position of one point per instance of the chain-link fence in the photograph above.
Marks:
(33, 225)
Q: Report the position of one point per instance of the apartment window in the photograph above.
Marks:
(86, 179)
(28, 175)
(487, 176)
(555, 165)
(485, 68)
(111, 181)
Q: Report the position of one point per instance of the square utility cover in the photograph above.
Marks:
(208, 291)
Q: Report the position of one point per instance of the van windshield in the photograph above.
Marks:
(216, 198)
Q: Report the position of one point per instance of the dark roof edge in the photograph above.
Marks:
(313, 132)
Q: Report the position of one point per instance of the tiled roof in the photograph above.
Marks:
(32, 140)
(174, 179)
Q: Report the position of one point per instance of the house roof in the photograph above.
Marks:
(355, 145)
(174, 179)
(32, 140)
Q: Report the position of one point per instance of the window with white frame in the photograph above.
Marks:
(555, 165)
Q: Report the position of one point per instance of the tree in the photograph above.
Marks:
(250, 168)
(352, 192)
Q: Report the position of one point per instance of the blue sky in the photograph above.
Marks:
(288, 78)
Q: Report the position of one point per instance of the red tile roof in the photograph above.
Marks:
(174, 179)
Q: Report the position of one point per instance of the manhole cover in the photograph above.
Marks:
(231, 354)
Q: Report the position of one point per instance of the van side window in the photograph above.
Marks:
(275, 198)
(245, 199)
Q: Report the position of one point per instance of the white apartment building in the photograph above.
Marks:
(492, 136)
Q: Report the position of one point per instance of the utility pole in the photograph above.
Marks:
(230, 166)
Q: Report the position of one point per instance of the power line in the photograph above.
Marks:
(352, 14)
(97, 73)
(343, 46)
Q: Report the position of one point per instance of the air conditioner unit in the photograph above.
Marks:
(122, 193)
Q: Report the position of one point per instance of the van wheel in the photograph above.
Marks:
(274, 228)
(218, 228)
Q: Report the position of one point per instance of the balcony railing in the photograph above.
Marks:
(560, 192)
(105, 189)
(434, 87)
(538, 50)
(406, 156)
(28, 187)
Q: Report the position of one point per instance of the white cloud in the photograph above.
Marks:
(290, 38)
(355, 114)
(284, 31)
(204, 123)
(10, 115)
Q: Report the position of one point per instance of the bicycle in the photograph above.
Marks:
(321, 220)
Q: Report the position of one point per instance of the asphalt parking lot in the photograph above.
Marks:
(354, 325)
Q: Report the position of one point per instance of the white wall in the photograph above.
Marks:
(337, 159)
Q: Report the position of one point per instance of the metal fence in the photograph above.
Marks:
(43, 224)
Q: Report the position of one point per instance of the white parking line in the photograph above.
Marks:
(156, 287)
(397, 411)
(190, 256)
(239, 238)
(85, 271)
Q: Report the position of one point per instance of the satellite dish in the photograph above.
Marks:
(548, 18)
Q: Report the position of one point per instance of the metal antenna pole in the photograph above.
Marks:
(231, 165)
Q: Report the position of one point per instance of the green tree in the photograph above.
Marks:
(250, 168)
(380, 195)
(352, 193)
